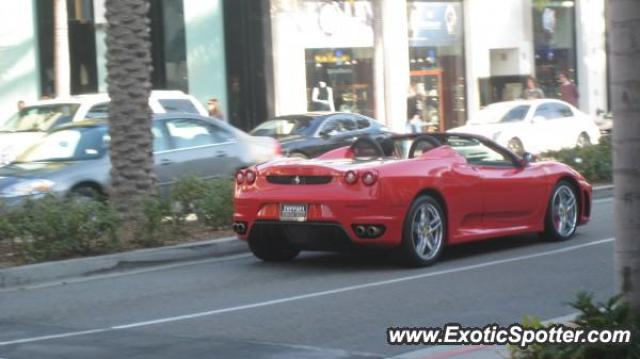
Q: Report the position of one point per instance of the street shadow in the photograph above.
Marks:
(378, 260)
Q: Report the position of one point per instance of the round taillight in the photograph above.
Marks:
(240, 177)
(250, 177)
(369, 178)
(351, 177)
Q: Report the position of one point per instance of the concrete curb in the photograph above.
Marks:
(81, 267)
(602, 191)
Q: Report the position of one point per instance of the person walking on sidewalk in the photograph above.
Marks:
(214, 109)
(568, 90)
(532, 92)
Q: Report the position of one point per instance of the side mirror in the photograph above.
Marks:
(527, 158)
(538, 119)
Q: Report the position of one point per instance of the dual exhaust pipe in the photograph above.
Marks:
(239, 227)
(368, 230)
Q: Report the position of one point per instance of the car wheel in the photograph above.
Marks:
(269, 247)
(561, 219)
(583, 140)
(515, 145)
(424, 232)
(298, 155)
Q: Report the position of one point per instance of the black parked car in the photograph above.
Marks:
(311, 134)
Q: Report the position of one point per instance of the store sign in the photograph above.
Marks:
(336, 24)
(435, 24)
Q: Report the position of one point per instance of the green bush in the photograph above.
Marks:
(215, 208)
(612, 314)
(210, 200)
(593, 162)
(165, 217)
(50, 228)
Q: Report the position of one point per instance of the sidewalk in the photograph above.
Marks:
(459, 352)
(142, 258)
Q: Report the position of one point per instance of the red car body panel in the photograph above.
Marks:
(480, 201)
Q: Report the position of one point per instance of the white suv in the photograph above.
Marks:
(27, 126)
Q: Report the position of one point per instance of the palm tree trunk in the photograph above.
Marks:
(129, 86)
(624, 37)
(61, 49)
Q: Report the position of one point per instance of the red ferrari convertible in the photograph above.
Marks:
(413, 194)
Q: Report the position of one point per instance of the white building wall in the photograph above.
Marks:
(19, 69)
(591, 55)
(498, 42)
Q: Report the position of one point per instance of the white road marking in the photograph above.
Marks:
(602, 200)
(306, 296)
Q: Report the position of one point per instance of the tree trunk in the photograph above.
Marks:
(624, 49)
(129, 86)
(62, 62)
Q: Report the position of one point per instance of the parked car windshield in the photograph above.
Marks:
(501, 113)
(75, 144)
(40, 118)
(285, 126)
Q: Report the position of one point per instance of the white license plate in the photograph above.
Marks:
(295, 212)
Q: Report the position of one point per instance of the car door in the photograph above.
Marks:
(199, 148)
(512, 194)
(567, 126)
(545, 134)
(164, 163)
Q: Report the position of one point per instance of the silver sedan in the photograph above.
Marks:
(74, 160)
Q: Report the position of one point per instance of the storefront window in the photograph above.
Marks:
(340, 80)
(555, 43)
(168, 45)
(339, 55)
(436, 53)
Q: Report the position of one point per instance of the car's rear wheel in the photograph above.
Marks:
(583, 140)
(561, 219)
(515, 145)
(270, 247)
(424, 233)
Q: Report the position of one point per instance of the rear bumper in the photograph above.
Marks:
(309, 236)
(329, 225)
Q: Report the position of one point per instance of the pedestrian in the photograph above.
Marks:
(21, 105)
(214, 109)
(568, 90)
(414, 111)
(532, 91)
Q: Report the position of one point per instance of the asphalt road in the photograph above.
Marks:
(319, 306)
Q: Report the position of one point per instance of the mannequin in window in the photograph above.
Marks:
(322, 98)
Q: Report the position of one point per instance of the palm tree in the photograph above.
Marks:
(61, 61)
(624, 29)
(129, 86)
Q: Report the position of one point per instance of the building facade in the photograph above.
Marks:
(439, 60)
(456, 56)
(188, 48)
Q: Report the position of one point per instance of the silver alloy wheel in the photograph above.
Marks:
(564, 211)
(427, 231)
